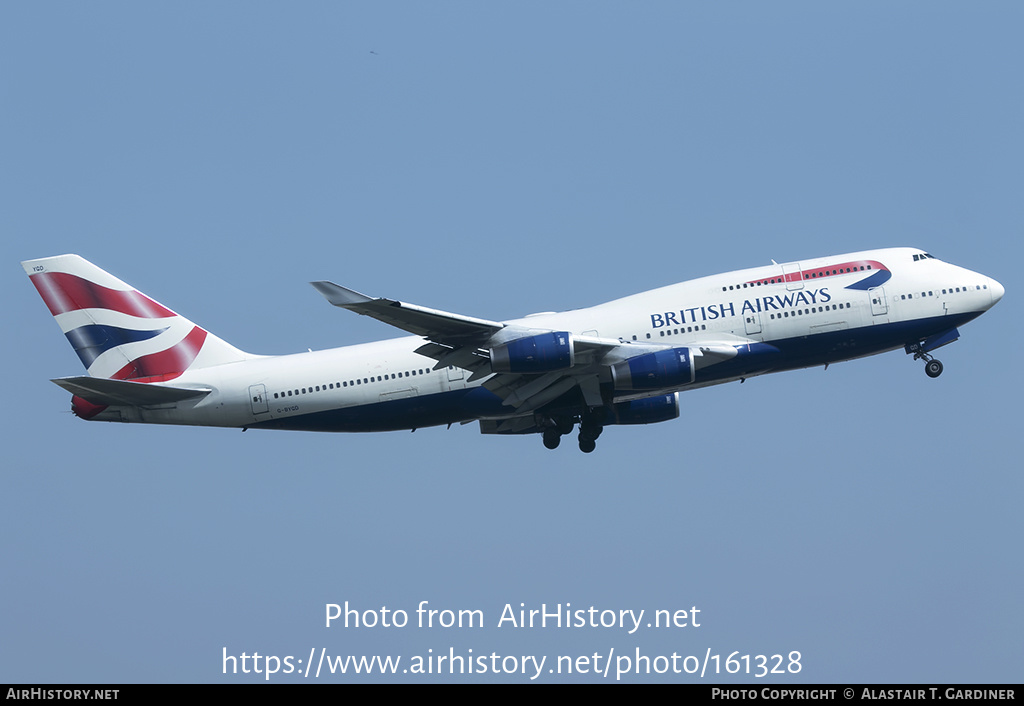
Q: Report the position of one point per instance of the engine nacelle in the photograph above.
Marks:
(653, 371)
(534, 354)
(646, 411)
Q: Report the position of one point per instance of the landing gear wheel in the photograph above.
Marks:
(552, 438)
(590, 429)
(933, 368)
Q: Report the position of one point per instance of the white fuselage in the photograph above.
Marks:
(812, 312)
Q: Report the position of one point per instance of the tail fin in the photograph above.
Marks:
(119, 332)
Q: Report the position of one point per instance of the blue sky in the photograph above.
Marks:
(495, 160)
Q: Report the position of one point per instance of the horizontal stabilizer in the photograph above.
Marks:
(124, 392)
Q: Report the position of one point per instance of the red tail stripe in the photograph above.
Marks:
(64, 292)
(167, 364)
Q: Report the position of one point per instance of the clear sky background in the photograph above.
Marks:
(496, 160)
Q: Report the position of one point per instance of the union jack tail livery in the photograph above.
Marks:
(119, 333)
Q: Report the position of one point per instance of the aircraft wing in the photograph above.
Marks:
(429, 323)
(467, 342)
(126, 392)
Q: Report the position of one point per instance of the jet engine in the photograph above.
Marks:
(534, 354)
(653, 371)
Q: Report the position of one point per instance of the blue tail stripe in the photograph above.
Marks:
(90, 342)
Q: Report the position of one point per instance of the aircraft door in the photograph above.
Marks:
(793, 275)
(456, 377)
(878, 303)
(752, 322)
(258, 397)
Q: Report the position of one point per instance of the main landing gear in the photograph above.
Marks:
(552, 438)
(589, 431)
(588, 436)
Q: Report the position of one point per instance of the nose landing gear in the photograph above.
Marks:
(932, 367)
(922, 350)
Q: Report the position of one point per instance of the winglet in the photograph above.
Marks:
(340, 296)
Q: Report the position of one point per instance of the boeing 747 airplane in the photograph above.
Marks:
(622, 362)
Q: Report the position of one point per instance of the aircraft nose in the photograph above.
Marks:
(996, 289)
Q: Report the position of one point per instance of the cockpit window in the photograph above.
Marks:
(924, 256)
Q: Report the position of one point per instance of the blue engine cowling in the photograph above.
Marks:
(646, 411)
(534, 354)
(653, 371)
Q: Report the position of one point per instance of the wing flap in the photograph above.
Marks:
(125, 392)
(514, 425)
